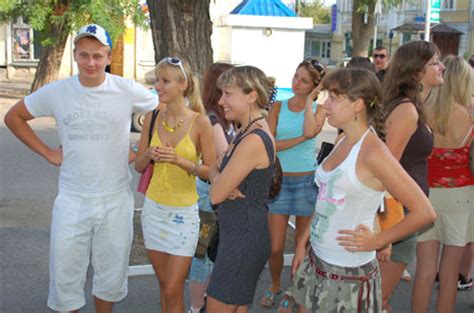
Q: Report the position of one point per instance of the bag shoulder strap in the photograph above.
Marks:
(154, 115)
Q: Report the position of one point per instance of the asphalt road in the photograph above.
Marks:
(28, 185)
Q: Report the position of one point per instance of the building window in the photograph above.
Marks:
(410, 6)
(378, 43)
(447, 5)
(326, 51)
(315, 48)
(25, 48)
(406, 37)
(347, 45)
(320, 49)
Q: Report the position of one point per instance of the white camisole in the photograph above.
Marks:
(343, 203)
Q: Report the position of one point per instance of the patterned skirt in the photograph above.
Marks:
(173, 230)
(322, 287)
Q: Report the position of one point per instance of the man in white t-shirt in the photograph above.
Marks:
(93, 212)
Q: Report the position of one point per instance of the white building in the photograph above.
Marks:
(270, 37)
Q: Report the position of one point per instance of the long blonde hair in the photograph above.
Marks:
(457, 88)
(193, 91)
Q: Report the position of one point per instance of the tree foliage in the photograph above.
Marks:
(43, 14)
(315, 9)
(55, 19)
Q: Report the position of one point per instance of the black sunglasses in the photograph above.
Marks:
(318, 66)
(380, 56)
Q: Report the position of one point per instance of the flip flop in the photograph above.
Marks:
(286, 305)
(268, 299)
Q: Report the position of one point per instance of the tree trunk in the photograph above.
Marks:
(155, 26)
(362, 32)
(50, 62)
(182, 28)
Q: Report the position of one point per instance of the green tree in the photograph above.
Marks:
(56, 19)
(315, 9)
(363, 23)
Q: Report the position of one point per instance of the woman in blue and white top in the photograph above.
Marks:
(295, 123)
(340, 270)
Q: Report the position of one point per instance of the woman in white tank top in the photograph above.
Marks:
(340, 270)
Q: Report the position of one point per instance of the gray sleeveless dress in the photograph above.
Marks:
(244, 238)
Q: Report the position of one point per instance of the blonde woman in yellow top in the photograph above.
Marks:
(182, 135)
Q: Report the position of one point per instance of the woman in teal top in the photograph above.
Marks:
(295, 124)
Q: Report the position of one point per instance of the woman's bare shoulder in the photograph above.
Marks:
(373, 148)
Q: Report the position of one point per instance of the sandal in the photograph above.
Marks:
(406, 276)
(286, 305)
(268, 299)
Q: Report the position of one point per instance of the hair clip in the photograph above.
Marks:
(373, 102)
(272, 95)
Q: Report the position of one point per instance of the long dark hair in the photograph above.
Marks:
(359, 83)
(403, 77)
(211, 93)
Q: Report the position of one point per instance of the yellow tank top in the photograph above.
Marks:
(170, 184)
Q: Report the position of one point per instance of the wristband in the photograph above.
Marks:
(135, 147)
(195, 169)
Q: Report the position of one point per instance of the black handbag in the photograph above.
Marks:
(326, 148)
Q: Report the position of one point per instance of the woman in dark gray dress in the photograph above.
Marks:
(240, 186)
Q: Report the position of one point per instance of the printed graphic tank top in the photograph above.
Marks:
(343, 203)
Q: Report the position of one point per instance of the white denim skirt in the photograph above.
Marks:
(173, 230)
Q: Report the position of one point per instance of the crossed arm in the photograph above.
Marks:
(248, 155)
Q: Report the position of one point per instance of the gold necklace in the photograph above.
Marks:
(168, 128)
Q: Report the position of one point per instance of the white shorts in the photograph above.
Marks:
(173, 230)
(454, 208)
(99, 230)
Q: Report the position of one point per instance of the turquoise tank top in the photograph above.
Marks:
(299, 158)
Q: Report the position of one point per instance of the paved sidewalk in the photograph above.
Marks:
(24, 242)
(15, 88)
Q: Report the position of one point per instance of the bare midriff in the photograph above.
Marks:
(298, 173)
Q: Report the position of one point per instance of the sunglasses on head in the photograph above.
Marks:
(379, 56)
(175, 62)
(317, 66)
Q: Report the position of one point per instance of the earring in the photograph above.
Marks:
(420, 87)
(355, 117)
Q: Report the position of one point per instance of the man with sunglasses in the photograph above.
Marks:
(93, 212)
(380, 59)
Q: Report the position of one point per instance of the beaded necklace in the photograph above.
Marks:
(242, 133)
(167, 127)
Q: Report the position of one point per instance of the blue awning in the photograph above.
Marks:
(263, 8)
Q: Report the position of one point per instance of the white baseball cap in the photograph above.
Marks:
(96, 31)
